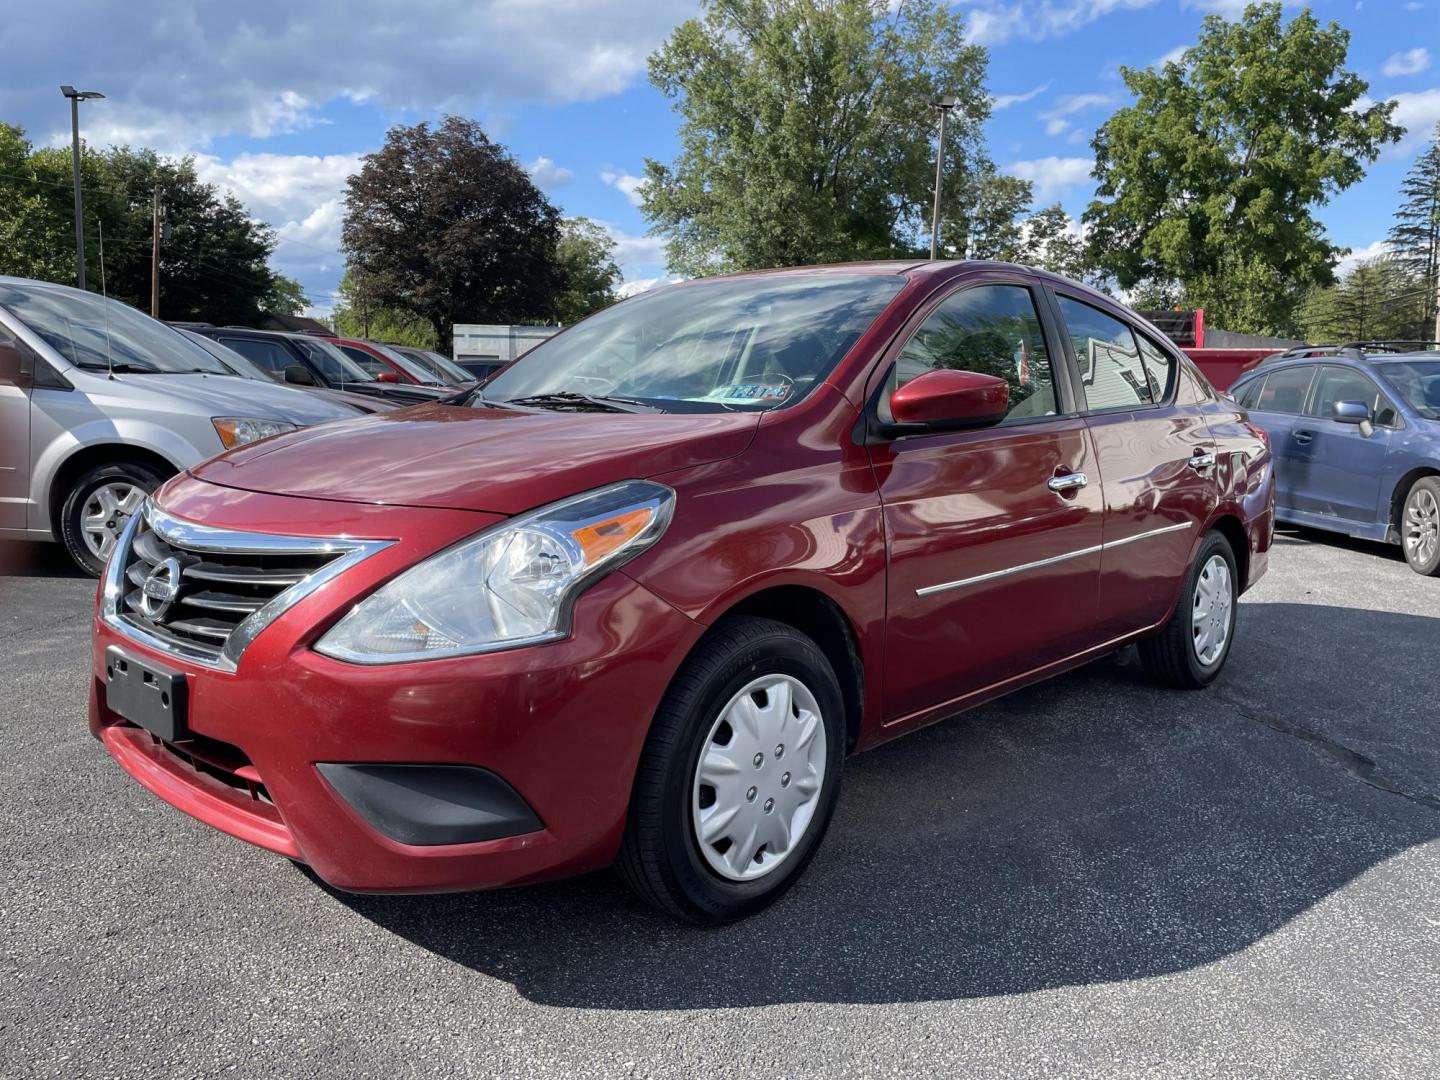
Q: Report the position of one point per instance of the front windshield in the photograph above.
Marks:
(331, 362)
(730, 343)
(1418, 382)
(442, 366)
(99, 334)
(414, 368)
(238, 365)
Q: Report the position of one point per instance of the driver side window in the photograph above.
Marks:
(992, 330)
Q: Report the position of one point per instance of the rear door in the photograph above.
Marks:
(17, 369)
(1338, 466)
(992, 535)
(1157, 458)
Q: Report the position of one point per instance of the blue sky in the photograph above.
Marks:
(279, 99)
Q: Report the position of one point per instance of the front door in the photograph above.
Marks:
(1337, 466)
(16, 376)
(1277, 409)
(992, 535)
(1158, 460)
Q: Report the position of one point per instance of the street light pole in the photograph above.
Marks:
(77, 96)
(945, 104)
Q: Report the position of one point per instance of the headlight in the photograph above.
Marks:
(238, 430)
(509, 586)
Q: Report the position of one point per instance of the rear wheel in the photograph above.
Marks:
(97, 508)
(1194, 645)
(739, 776)
(1420, 526)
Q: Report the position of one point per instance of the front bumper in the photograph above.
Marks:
(562, 725)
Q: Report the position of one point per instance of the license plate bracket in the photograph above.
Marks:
(146, 695)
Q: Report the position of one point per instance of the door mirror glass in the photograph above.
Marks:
(1350, 412)
(299, 374)
(945, 399)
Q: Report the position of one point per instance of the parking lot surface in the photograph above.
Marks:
(1092, 877)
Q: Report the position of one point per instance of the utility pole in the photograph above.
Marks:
(77, 96)
(155, 255)
(945, 104)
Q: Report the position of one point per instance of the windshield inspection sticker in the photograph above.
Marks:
(750, 393)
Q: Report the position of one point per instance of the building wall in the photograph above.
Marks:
(481, 342)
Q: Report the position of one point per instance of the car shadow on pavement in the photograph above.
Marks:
(1086, 830)
(1303, 535)
(24, 559)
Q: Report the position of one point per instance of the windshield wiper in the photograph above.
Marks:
(120, 368)
(602, 402)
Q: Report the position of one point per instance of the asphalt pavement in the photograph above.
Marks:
(1093, 877)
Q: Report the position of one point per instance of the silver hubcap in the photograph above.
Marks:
(1210, 612)
(757, 784)
(105, 513)
(1422, 527)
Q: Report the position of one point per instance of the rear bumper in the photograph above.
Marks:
(560, 727)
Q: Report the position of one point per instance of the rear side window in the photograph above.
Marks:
(990, 329)
(273, 358)
(1111, 371)
(1284, 391)
(373, 364)
(1246, 396)
(1161, 368)
(1347, 384)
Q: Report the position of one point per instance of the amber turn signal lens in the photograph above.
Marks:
(602, 537)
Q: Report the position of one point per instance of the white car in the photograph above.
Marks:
(99, 404)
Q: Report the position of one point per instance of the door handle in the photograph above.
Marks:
(1303, 437)
(1067, 482)
(1200, 461)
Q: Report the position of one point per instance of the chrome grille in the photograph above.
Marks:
(204, 593)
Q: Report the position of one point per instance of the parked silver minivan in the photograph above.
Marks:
(99, 404)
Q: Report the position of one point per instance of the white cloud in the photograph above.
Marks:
(991, 22)
(547, 175)
(640, 285)
(1052, 176)
(1068, 105)
(1172, 57)
(632, 187)
(1004, 101)
(1416, 112)
(180, 74)
(1411, 62)
(1359, 255)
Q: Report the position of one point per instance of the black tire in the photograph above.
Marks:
(72, 510)
(1170, 657)
(1426, 485)
(660, 858)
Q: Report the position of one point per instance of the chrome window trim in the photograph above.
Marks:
(208, 538)
(1095, 549)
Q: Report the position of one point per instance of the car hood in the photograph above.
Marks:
(230, 395)
(495, 460)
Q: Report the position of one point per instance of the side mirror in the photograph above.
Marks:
(387, 376)
(1350, 412)
(944, 400)
(299, 375)
(14, 365)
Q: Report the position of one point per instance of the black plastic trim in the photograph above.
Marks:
(428, 805)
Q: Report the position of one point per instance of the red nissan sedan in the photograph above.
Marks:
(637, 600)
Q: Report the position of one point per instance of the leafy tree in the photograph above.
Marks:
(586, 254)
(213, 267)
(1053, 243)
(1375, 300)
(1209, 179)
(286, 296)
(356, 315)
(807, 134)
(445, 225)
(1415, 238)
(982, 219)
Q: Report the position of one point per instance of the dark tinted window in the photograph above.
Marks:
(1247, 395)
(1111, 372)
(1347, 384)
(373, 364)
(269, 355)
(1284, 391)
(991, 329)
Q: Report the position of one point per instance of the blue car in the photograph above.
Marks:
(1356, 442)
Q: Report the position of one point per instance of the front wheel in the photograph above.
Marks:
(97, 507)
(1194, 645)
(739, 775)
(1420, 526)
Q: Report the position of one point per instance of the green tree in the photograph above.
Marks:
(586, 254)
(982, 218)
(807, 134)
(1210, 178)
(446, 226)
(1415, 237)
(1053, 243)
(214, 266)
(286, 296)
(356, 315)
(1375, 300)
